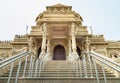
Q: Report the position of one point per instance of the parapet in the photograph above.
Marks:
(20, 36)
(5, 44)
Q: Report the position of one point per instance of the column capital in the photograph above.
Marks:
(69, 38)
(44, 23)
(72, 24)
(48, 37)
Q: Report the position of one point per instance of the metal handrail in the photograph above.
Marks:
(105, 60)
(42, 56)
(71, 55)
(94, 59)
(102, 60)
(12, 59)
(74, 56)
(34, 56)
(38, 64)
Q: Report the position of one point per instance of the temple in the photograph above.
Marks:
(59, 42)
(59, 30)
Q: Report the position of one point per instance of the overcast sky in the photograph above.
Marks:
(102, 15)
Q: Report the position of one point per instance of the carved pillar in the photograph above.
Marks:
(36, 48)
(44, 38)
(30, 44)
(48, 44)
(73, 37)
(87, 43)
(69, 45)
(48, 47)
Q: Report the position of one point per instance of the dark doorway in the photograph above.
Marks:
(59, 53)
(79, 52)
(39, 51)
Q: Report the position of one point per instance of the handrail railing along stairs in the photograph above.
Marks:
(90, 60)
(36, 65)
(16, 60)
(105, 62)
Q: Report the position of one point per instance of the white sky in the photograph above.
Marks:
(102, 15)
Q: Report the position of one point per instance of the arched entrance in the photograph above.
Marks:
(79, 52)
(39, 51)
(59, 53)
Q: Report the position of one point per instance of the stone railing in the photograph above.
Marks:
(113, 41)
(96, 36)
(6, 41)
(20, 36)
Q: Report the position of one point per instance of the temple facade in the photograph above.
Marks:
(58, 32)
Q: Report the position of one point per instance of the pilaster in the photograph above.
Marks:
(73, 37)
(87, 43)
(69, 44)
(44, 38)
(30, 44)
(48, 47)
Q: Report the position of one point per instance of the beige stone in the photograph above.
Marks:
(59, 25)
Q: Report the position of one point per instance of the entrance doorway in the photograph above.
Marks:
(59, 53)
(38, 52)
(79, 52)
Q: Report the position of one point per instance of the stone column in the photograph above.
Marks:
(44, 38)
(73, 37)
(36, 48)
(69, 48)
(30, 44)
(48, 44)
(48, 47)
(69, 45)
(87, 43)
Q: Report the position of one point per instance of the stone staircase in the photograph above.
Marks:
(67, 69)
(59, 72)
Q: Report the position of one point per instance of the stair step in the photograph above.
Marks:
(52, 74)
(59, 69)
(59, 80)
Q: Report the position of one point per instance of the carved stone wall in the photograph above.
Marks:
(5, 49)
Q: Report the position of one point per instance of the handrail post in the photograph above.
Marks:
(40, 69)
(106, 61)
(36, 68)
(11, 61)
(96, 70)
(76, 67)
(18, 71)
(80, 68)
(90, 58)
(43, 64)
(85, 67)
(30, 66)
(25, 66)
(104, 73)
(11, 69)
